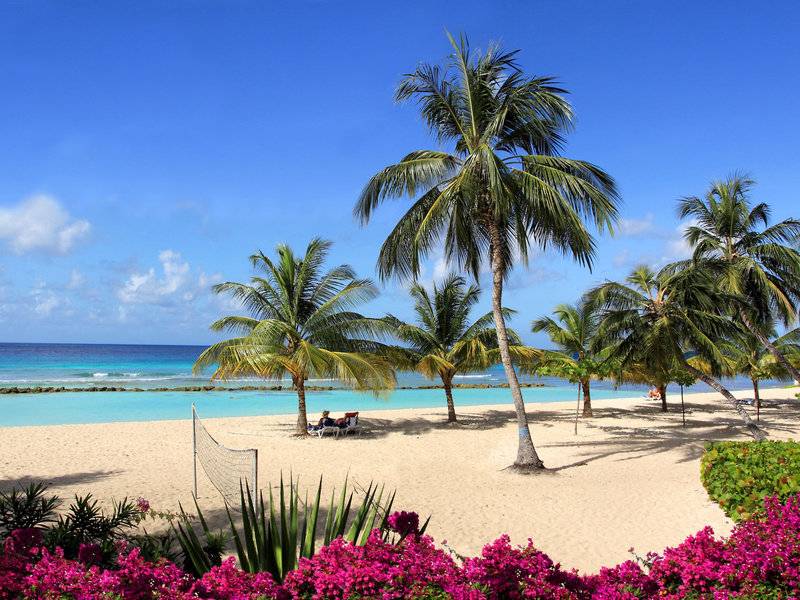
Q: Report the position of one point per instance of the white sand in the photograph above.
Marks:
(630, 478)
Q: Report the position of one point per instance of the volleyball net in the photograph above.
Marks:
(226, 468)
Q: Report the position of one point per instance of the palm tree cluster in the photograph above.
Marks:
(704, 318)
(495, 188)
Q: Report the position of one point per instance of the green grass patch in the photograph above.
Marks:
(739, 475)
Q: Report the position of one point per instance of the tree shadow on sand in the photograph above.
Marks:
(58, 481)
(646, 431)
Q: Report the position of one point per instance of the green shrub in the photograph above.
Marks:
(739, 475)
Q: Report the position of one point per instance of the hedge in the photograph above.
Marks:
(739, 475)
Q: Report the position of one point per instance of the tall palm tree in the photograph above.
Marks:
(301, 323)
(444, 342)
(661, 318)
(498, 187)
(757, 261)
(573, 331)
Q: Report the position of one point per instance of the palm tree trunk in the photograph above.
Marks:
(662, 391)
(527, 457)
(752, 428)
(587, 399)
(769, 346)
(451, 408)
(302, 418)
(757, 398)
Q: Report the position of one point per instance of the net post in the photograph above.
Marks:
(194, 451)
(255, 476)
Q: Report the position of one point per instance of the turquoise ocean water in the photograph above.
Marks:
(147, 367)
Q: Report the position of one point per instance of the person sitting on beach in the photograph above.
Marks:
(325, 420)
(654, 394)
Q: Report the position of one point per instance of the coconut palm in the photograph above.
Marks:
(444, 343)
(573, 331)
(661, 318)
(757, 261)
(496, 188)
(301, 323)
(747, 356)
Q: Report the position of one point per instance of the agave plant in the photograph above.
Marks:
(275, 533)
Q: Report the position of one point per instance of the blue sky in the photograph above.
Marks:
(148, 148)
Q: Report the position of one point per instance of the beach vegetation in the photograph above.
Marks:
(573, 329)
(756, 263)
(748, 356)
(495, 188)
(662, 320)
(739, 475)
(444, 343)
(276, 533)
(759, 559)
(301, 323)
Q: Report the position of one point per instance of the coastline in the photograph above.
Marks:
(579, 512)
(247, 388)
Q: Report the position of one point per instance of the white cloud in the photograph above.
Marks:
(150, 288)
(172, 284)
(41, 223)
(76, 280)
(634, 227)
(678, 248)
(622, 258)
(45, 304)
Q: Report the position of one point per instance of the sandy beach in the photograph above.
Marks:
(630, 478)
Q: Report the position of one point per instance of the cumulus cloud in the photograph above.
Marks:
(152, 288)
(174, 282)
(41, 223)
(634, 227)
(677, 247)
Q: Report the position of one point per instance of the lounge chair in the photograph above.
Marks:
(351, 423)
(325, 430)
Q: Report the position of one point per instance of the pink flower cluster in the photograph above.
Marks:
(404, 523)
(760, 559)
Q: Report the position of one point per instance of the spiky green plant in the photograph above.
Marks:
(498, 188)
(755, 261)
(444, 343)
(302, 323)
(276, 532)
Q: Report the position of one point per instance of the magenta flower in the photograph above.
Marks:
(22, 540)
(144, 505)
(90, 554)
(404, 523)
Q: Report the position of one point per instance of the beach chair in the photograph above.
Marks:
(351, 423)
(325, 430)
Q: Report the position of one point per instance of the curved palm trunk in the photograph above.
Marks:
(662, 391)
(527, 457)
(302, 418)
(451, 408)
(752, 428)
(770, 346)
(757, 398)
(587, 399)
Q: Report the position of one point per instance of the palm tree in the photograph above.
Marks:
(747, 356)
(660, 319)
(758, 262)
(301, 323)
(500, 188)
(444, 342)
(573, 331)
